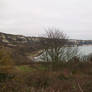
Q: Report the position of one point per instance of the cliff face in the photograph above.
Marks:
(7, 38)
(14, 40)
(20, 46)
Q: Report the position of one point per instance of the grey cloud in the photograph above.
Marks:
(30, 17)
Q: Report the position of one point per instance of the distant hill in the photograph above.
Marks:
(14, 40)
(21, 46)
(81, 42)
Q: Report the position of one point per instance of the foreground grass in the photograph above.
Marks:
(30, 68)
(25, 68)
(76, 77)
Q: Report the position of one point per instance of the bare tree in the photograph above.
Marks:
(56, 48)
(53, 42)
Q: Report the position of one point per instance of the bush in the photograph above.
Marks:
(6, 61)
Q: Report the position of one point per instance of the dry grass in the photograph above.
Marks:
(66, 79)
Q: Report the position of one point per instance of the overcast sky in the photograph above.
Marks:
(31, 17)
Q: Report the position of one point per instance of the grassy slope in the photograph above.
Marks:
(66, 78)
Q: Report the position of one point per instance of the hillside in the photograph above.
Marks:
(15, 40)
(22, 47)
(18, 73)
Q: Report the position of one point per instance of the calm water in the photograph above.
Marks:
(82, 50)
(85, 49)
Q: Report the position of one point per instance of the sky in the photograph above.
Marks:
(32, 17)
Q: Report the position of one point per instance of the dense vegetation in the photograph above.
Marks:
(55, 76)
